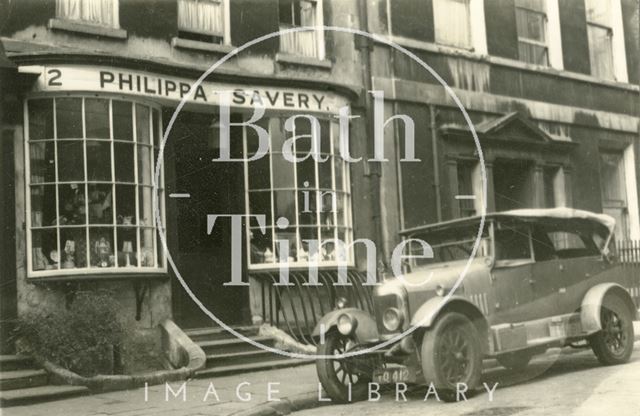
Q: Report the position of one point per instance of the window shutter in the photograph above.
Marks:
(251, 19)
(575, 42)
(502, 33)
(413, 19)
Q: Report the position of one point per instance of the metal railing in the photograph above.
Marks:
(628, 251)
(296, 309)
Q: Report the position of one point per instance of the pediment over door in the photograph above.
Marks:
(512, 128)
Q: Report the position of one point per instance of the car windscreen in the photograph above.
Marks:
(449, 244)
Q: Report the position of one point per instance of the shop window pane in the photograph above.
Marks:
(44, 250)
(127, 247)
(73, 208)
(155, 127)
(252, 137)
(40, 119)
(43, 205)
(260, 204)
(144, 165)
(260, 246)
(145, 198)
(69, 118)
(98, 160)
(125, 204)
(285, 205)
(259, 174)
(340, 209)
(124, 165)
(42, 163)
(325, 174)
(122, 121)
(325, 137)
(307, 207)
(282, 171)
(146, 247)
(102, 249)
(73, 244)
(303, 136)
(100, 204)
(142, 124)
(70, 161)
(328, 204)
(306, 174)
(339, 172)
(277, 133)
(96, 112)
(290, 236)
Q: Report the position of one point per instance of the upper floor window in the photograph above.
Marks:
(600, 35)
(301, 13)
(531, 21)
(96, 12)
(204, 20)
(606, 39)
(90, 179)
(452, 21)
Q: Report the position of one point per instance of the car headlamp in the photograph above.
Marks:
(392, 319)
(346, 324)
(341, 303)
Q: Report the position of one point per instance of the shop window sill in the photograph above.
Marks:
(181, 43)
(87, 29)
(289, 59)
(98, 277)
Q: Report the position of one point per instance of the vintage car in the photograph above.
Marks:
(540, 278)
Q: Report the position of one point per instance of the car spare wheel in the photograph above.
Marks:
(451, 356)
(344, 379)
(613, 344)
(515, 360)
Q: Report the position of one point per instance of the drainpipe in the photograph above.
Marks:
(373, 170)
(433, 113)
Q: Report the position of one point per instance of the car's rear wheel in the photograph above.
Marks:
(339, 375)
(518, 360)
(451, 355)
(613, 344)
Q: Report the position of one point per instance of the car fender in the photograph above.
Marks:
(427, 314)
(366, 329)
(592, 302)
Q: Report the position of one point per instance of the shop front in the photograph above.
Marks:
(92, 148)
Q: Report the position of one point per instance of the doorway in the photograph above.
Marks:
(513, 184)
(204, 260)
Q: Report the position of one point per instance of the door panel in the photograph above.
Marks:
(204, 259)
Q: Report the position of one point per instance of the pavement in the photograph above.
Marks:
(245, 394)
(568, 382)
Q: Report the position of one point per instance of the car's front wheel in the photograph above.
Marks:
(613, 344)
(342, 378)
(451, 356)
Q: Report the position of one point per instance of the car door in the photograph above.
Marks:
(579, 264)
(548, 275)
(511, 273)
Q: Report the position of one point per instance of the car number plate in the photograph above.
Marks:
(394, 375)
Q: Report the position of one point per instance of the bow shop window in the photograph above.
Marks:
(90, 177)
